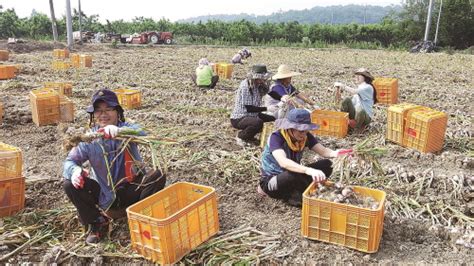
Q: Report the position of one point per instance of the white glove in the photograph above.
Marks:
(338, 84)
(111, 131)
(280, 104)
(316, 107)
(284, 98)
(77, 177)
(317, 175)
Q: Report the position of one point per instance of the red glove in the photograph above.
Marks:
(109, 131)
(341, 152)
(77, 177)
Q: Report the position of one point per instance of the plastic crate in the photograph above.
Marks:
(63, 88)
(387, 90)
(331, 123)
(4, 54)
(129, 98)
(425, 129)
(343, 224)
(10, 161)
(12, 196)
(75, 60)
(1, 113)
(86, 60)
(267, 130)
(224, 70)
(396, 119)
(44, 106)
(170, 223)
(61, 53)
(66, 109)
(8, 71)
(60, 65)
(215, 67)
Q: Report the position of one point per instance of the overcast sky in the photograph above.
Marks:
(175, 9)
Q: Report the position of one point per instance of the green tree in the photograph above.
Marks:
(457, 23)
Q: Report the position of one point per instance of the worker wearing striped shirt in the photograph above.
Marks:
(247, 114)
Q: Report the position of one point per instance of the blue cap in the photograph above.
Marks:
(106, 95)
(299, 119)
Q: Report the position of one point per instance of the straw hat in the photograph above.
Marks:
(364, 72)
(284, 71)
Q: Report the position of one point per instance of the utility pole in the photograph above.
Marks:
(365, 13)
(437, 23)
(80, 21)
(428, 21)
(53, 21)
(69, 25)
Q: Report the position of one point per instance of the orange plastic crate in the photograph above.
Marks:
(396, 119)
(8, 71)
(44, 106)
(63, 88)
(214, 67)
(86, 60)
(224, 70)
(61, 53)
(170, 223)
(66, 109)
(387, 90)
(12, 196)
(331, 123)
(425, 130)
(129, 98)
(10, 161)
(4, 54)
(343, 224)
(267, 130)
(75, 60)
(60, 65)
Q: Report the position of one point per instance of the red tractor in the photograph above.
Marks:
(151, 37)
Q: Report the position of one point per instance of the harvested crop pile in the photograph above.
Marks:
(339, 193)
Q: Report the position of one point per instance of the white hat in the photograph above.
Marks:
(284, 72)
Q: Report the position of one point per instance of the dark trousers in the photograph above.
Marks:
(250, 126)
(86, 199)
(291, 184)
(361, 117)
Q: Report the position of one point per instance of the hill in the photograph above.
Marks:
(327, 15)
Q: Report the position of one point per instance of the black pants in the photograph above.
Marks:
(290, 184)
(250, 126)
(86, 199)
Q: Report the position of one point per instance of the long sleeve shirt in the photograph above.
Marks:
(100, 154)
(245, 96)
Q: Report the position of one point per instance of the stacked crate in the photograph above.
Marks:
(44, 106)
(59, 59)
(63, 88)
(417, 127)
(61, 53)
(81, 60)
(66, 109)
(386, 90)
(129, 98)
(224, 70)
(12, 184)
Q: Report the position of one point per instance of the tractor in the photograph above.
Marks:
(152, 37)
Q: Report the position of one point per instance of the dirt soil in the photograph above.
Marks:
(172, 106)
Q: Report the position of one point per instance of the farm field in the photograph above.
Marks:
(429, 216)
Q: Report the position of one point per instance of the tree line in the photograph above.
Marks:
(400, 29)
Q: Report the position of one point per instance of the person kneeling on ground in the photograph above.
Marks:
(117, 179)
(278, 101)
(364, 97)
(247, 114)
(204, 76)
(282, 175)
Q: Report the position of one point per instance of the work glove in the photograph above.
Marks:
(338, 84)
(342, 152)
(110, 131)
(317, 175)
(77, 177)
(284, 98)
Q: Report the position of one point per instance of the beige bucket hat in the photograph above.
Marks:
(284, 71)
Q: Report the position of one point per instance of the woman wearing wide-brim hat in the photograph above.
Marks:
(282, 174)
(359, 106)
(281, 91)
(247, 113)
